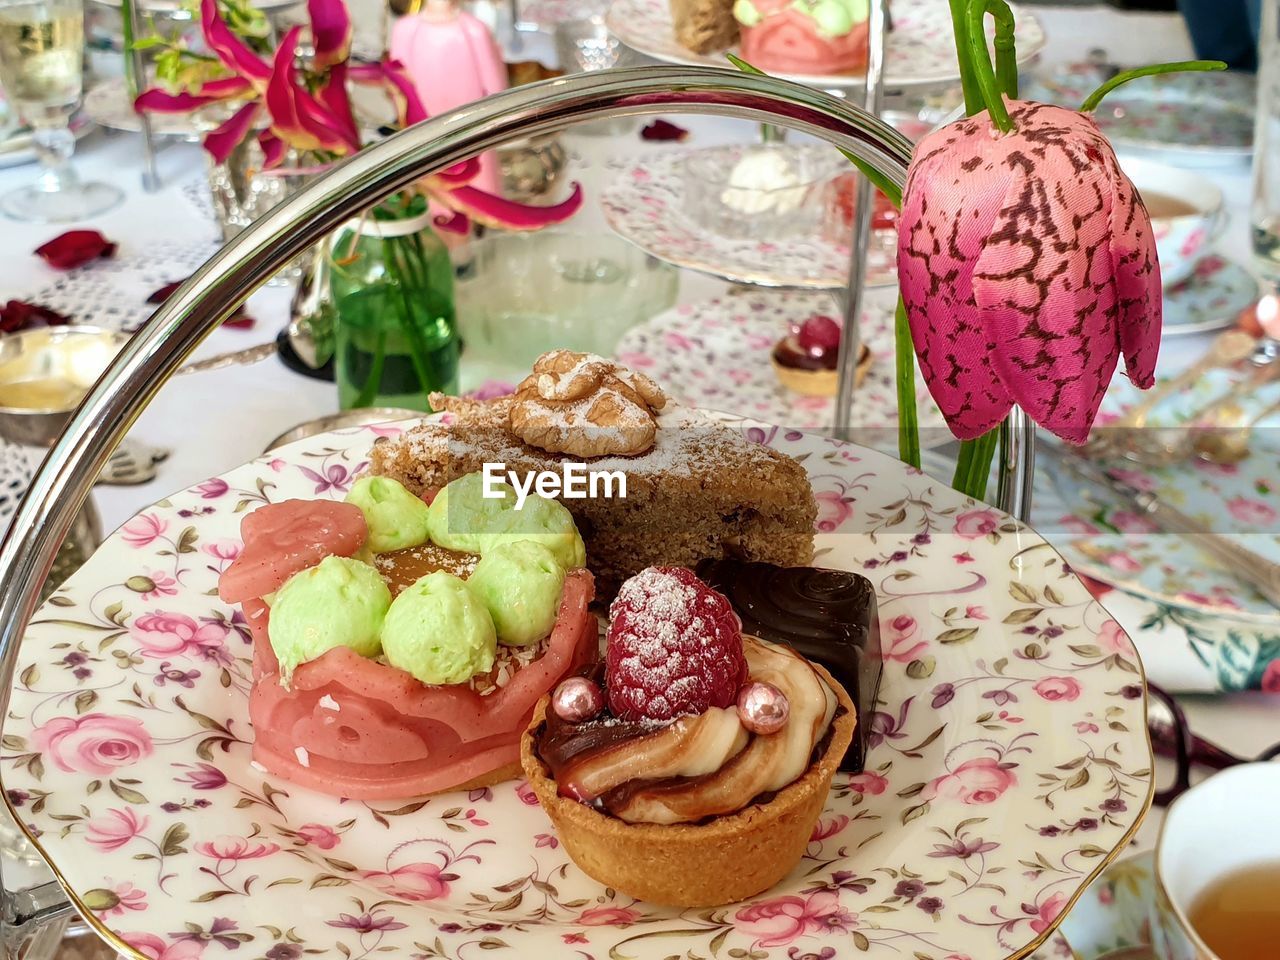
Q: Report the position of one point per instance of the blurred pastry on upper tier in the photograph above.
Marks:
(704, 26)
(804, 36)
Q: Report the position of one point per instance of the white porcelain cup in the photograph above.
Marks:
(1183, 240)
(1220, 826)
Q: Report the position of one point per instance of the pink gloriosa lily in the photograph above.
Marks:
(1028, 267)
(311, 113)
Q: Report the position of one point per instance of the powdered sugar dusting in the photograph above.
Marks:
(674, 647)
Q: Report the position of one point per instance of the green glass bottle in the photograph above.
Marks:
(391, 290)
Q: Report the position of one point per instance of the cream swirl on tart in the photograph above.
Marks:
(694, 767)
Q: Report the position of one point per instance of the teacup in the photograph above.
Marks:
(1183, 235)
(1219, 827)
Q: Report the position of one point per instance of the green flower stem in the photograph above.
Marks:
(370, 389)
(973, 467)
(991, 86)
(399, 254)
(905, 375)
(968, 77)
(1091, 102)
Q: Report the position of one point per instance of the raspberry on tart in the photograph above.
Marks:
(674, 647)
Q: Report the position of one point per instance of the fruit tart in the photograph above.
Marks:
(690, 768)
(399, 647)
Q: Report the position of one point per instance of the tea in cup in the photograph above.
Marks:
(1186, 215)
(1218, 869)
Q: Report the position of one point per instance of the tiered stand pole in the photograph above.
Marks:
(851, 340)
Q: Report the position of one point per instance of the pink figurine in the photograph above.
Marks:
(453, 60)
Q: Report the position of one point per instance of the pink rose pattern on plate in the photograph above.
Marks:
(1008, 758)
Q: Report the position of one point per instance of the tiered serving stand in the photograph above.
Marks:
(918, 55)
(1010, 760)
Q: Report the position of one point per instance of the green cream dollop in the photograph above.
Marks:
(340, 602)
(462, 518)
(745, 12)
(397, 519)
(439, 631)
(520, 583)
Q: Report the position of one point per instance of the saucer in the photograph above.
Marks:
(1187, 117)
(1210, 299)
(717, 355)
(1110, 922)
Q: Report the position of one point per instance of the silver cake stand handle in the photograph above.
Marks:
(155, 353)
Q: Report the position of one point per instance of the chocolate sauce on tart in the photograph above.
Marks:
(789, 353)
(561, 744)
(828, 616)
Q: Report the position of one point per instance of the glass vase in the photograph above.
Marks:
(391, 296)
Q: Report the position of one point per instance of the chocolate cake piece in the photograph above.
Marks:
(828, 616)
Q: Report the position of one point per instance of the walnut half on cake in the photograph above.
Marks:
(697, 489)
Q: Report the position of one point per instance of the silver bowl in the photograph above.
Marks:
(45, 373)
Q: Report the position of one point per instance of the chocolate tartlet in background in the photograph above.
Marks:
(829, 617)
(807, 360)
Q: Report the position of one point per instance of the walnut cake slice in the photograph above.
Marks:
(695, 488)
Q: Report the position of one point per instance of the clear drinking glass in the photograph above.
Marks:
(42, 72)
(1264, 213)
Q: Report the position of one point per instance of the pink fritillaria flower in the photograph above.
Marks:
(1028, 267)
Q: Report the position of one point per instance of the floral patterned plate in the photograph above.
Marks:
(646, 203)
(1010, 759)
(920, 50)
(1216, 292)
(1190, 116)
(717, 355)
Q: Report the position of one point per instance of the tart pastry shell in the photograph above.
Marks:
(725, 860)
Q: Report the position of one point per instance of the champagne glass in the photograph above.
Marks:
(42, 72)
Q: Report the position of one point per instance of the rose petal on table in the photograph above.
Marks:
(75, 248)
(237, 321)
(165, 292)
(664, 130)
(20, 315)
